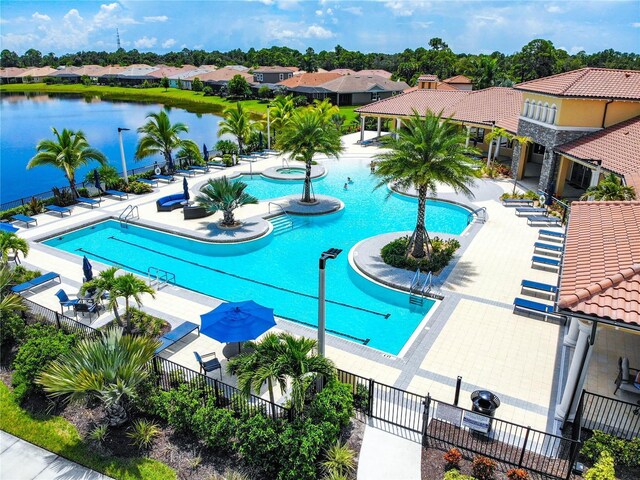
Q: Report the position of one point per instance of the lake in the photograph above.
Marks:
(25, 120)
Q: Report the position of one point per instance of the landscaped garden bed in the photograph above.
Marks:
(442, 251)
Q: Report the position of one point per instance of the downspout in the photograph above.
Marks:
(604, 115)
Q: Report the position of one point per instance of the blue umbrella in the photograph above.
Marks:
(96, 179)
(205, 152)
(237, 321)
(185, 187)
(260, 141)
(87, 269)
(6, 227)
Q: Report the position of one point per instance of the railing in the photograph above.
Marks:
(286, 215)
(419, 289)
(159, 277)
(128, 213)
(69, 325)
(480, 213)
(610, 415)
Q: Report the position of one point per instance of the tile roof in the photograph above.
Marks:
(601, 265)
(309, 79)
(37, 72)
(363, 83)
(479, 106)
(343, 71)
(459, 79)
(633, 180)
(510, 124)
(222, 75)
(165, 71)
(376, 71)
(617, 146)
(428, 78)
(11, 72)
(272, 69)
(588, 83)
(439, 86)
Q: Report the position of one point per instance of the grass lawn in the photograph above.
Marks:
(59, 436)
(191, 101)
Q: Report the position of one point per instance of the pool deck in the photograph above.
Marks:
(472, 333)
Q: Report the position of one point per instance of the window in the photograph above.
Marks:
(545, 113)
(525, 111)
(259, 77)
(551, 118)
(538, 110)
(375, 96)
(282, 76)
(538, 149)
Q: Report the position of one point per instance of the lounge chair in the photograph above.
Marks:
(57, 209)
(92, 202)
(176, 335)
(116, 193)
(207, 366)
(516, 202)
(164, 178)
(545, 261)
(7, 227)
(520, 211)
(531, 306)
(199, 168)
(35, 282)
(153, 182)
(552, 234)
(543, 219)
(543, 288)
(216, 164)
(24, 219)
(188, 173)
(547, 246)
(65, 301)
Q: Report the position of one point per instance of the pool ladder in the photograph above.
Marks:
(480, 213)
(127, 214)
(420, 288)
(160, 278)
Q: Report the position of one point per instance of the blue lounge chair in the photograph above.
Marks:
(65, 301)
(531, 306)
(517, 202)
(7, 227)
(549, 220)
(520, 211)
(164, 178)
(26, 220)
(199, 168)
(188, 173)
(153, 182)
(176, 335)
(42, 279)
(92, 202)
(546, 261)
(551, 233)
(207, 366)
(538, 287)
(216, 164)
(547, 246)
(116, 193)
(57, 209)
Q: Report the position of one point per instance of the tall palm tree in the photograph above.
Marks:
(610, 189)
(428, 150)
(281, 109)
(69, 151)
(237, 123)
(258, 366)
(129, 287)
(10, 242)
(495, 133)
(9, 302)
(160, 136)
(104, 283)
(309, 131)
(108, 367)
(298, 360)
(326, 108)
(221, 194)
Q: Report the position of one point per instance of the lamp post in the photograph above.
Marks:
(329, 254)
(124, 162)
(268, 128)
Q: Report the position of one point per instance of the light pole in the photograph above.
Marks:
(329, 254)
(268, 128)
(124, 162)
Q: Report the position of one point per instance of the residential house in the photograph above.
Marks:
(177, 80)
(166, 71)
(35, 75)
(11, 74)
(309, 84)
(359, 89)
(219, 78)
(343, 71)
(459, 82)
(271, 74)
(377, 71)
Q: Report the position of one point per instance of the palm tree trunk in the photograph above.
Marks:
(306, 191)
(126, 314)
(420, 237)
(72, 185)
(272, 397)
(115, 414)
(227, 218)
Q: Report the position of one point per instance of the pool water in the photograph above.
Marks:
(281, 271)
(291, 171)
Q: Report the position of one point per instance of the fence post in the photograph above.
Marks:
(217, 390)
(524, 447)
(425, 418)
(58, 320)
(156, 368)
(372, 384)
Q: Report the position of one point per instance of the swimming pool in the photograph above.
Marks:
(281, 271)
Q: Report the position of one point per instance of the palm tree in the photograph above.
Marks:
(298, 360)
(9, 241)
(610, 189)
(237, 123)
(258, 366)
(495, 133)
(160, 137)
(428, 151)
(9, 302)
(281, 109)
(309, 131)
(68, 152)
(130, 287)
(108, 367)
(326, 108)
(104, 283)
(220, 194)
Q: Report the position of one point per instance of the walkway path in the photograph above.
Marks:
(21, 460)
(389, 452)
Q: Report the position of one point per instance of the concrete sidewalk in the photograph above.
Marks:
(389, 452)
(21, 460)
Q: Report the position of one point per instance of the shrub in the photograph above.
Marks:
(144, 323)
(63, 197)
(259, 445)
(138, 188)
(83, 192)
(21, 275)
(12, 330)
(624, 452)
(143, 432)
(394, 254)
(7, 214)
(150, 399)
(207, 91)
(452, 459)
(339, 460)
(43, 343)
(34, 207)
(182, 404)
(361, 398)
(300, 447)
(334, 404)
(99, 434)
(483, 468)
(517, 474)
(197, 85)
(456, 475)
(216, 426)
(226, 147)
(603, 469)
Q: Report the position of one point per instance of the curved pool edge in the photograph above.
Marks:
(272, 173)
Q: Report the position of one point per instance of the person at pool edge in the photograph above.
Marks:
(349, 181)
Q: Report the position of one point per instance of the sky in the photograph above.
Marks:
(387, 26)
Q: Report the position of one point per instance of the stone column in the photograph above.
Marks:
(379, 126)
(398, 126)
(575, 380)
(361, 129)
(571, 337)
(466, 143)
(547, 174)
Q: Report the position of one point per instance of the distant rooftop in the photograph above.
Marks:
(458, 79)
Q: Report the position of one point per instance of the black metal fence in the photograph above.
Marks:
(46, 315)
(610, 415)
(444, 425)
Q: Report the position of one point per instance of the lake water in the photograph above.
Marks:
(24, 121)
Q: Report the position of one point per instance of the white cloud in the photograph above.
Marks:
(111, 16)
(319, 13)
(635, 24)
(159, 18)
(18, 42)
(145, 42)
(353, 10)
(279, 30)
(168, 43)
(554, 8)
(400, 8)
(267, 2)
(316, 31)
(329, 11)
(40, 17)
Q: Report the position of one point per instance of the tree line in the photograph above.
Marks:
(538, 58)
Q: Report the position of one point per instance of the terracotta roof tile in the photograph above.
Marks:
(439, 86)
(343, 71)
(617, 146)
(309, 79)
(428, 78)
(376, 71)
(272, 69)
(510, 124)
(633, 180)
(11, 72)
(362, 83)
(601, 263)
(222, 75)
(588, 82)
(459, 79)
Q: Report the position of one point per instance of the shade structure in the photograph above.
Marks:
(205, 152)
(87, 269)
(237, 321)
(185, 187)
